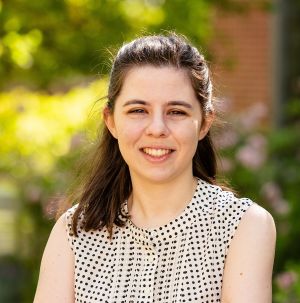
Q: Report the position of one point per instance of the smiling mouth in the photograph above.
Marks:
(156, 152)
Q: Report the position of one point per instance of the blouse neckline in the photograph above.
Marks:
(178, 226)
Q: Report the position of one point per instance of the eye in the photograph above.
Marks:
(177, 112)
(137, 111)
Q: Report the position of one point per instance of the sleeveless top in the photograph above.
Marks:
(182, 261)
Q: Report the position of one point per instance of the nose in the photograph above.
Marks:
(157, 126)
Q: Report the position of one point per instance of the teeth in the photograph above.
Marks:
(156, 152)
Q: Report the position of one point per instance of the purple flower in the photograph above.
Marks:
(272, 193)
(226, 165)
(286, 279)
(253, 116)
(226, 139)
(253, 154)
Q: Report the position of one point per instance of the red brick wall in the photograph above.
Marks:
(241, 49)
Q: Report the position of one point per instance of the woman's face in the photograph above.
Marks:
(157, 121)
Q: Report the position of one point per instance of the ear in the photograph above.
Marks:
(109, 121)
(206, 124)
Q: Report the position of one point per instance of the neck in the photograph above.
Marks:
(155, 204)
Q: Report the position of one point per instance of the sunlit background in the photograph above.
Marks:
(54, 60)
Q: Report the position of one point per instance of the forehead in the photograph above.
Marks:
(157, 83)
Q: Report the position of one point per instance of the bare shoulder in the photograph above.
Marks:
(59, 227)
(58, 237)
(249, 263)
(57, 267)
(256, 231)
(257, 218)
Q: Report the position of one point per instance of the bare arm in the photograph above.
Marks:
(56, 282)
(249, 263)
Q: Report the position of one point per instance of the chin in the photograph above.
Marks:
(158, 178)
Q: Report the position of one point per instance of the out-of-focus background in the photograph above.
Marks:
(54, 61)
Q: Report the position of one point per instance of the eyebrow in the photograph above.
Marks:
(175, 102)
(180, 103)
(130, 102)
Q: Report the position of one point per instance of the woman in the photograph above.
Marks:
(152, 224)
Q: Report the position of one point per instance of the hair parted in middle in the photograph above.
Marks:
(107, 183)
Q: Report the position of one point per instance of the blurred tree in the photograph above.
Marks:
(42, 139)
(50, 44)
(289, 64)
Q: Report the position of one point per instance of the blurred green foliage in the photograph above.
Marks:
(50, 44)
(287, 284)
(50, 113)
(263, 164)
(40, 140)
(44, 42)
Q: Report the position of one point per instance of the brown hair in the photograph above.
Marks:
(108, 182)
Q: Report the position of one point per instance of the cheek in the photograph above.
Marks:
(129, 132)
(188, 132)
(128, 136)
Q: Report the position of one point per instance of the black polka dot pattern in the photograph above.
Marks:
(182, 261)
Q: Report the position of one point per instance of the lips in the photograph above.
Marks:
(156, 152)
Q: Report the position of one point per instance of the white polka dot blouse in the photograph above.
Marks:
(182, 261)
